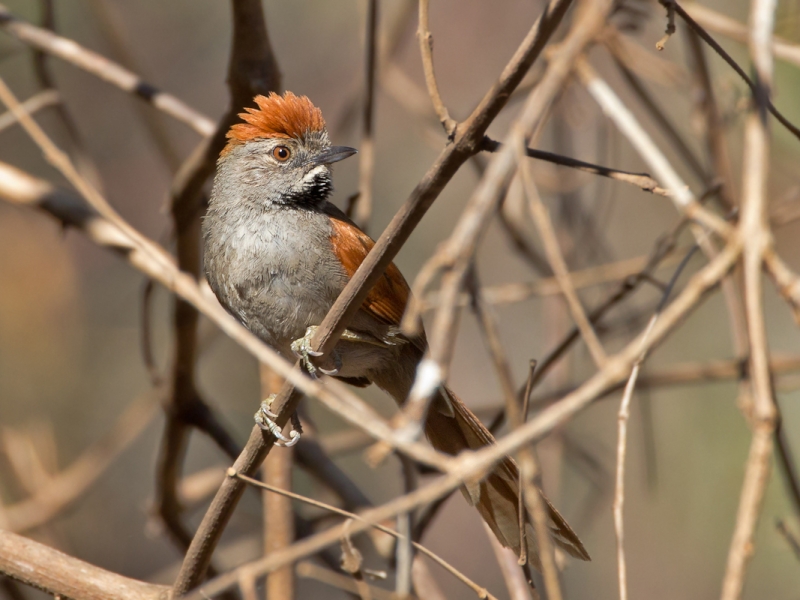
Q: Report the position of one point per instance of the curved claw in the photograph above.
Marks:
(264, 419)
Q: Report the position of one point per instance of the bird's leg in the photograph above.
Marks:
(302, 349)
(264, 418)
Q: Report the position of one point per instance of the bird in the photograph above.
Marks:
(277, 254)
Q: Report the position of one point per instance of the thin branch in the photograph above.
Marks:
(791, 538)
(768, 105)
(723, 24)
(64, 576)
(515, 581)
(640, 180)
(541, 218)
(622, 435)
(309, 570)
(73, 140)
(456, 254)
(511, 293)
(426, 50)
(713, 126)
(366, 149)
(684, 374)
(480, 591)
(101, 67)
(470, 464)
(619, 114)
(113, 28)
(66, 487)
(668, 128)
(31, 106)
(448, 162)
(756, 236)
(278, 512)
(405, 525)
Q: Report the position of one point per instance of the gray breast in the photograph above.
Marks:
(273, 269)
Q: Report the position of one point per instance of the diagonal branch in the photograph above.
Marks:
(101, 67)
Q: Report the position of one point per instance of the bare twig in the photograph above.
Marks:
(723, 24)
(74, 142)
(510, 293)
(309, 570)
(541, 218)
(64, 576)
(72, 482)
(457, 253)
(278, 512)
(713, 126)
(101, 67)
(464, 145)
(617, 112)
(366, 150)
(426, 50)
(31, 106)
(792, 128)
(756, 236)
(640, 180)
(515, 581)
(468, 465)
(482, 593)
(405, 525)
(622, 435)
(790, 538)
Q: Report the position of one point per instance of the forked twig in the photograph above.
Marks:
(480, 591)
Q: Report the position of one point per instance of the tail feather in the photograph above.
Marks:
(451, 427)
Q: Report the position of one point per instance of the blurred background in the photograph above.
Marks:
(70, 313)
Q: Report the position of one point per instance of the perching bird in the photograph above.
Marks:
(278, 254)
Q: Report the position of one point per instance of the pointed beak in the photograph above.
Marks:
(332, 155)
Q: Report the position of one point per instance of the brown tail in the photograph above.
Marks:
(451, 427)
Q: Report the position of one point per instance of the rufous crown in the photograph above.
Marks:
(286, 116)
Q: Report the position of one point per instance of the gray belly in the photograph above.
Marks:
(274, 271)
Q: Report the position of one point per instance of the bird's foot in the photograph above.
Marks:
(265, 419)
(303, 350)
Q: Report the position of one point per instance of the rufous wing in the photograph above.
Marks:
(387, 299)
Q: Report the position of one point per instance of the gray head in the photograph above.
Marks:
(280, 154)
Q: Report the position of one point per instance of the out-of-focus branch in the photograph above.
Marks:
(327, 334)
(541, 217)
(114, 31)
(74, 142)
(72, 482)
(469, 465)
(31, 106)
(426, 50)
(101, 67)
(515, 581)
(252, 70)
(616, 111)
(455, 256)
(466, 143)
(275, 490)
(756, 237)
(61, 575)
(791, 127)
(309, 570)
(366, 150)
(20, 188)
(278, 512)
(725, 25)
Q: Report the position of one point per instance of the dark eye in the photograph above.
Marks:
(281, 153)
